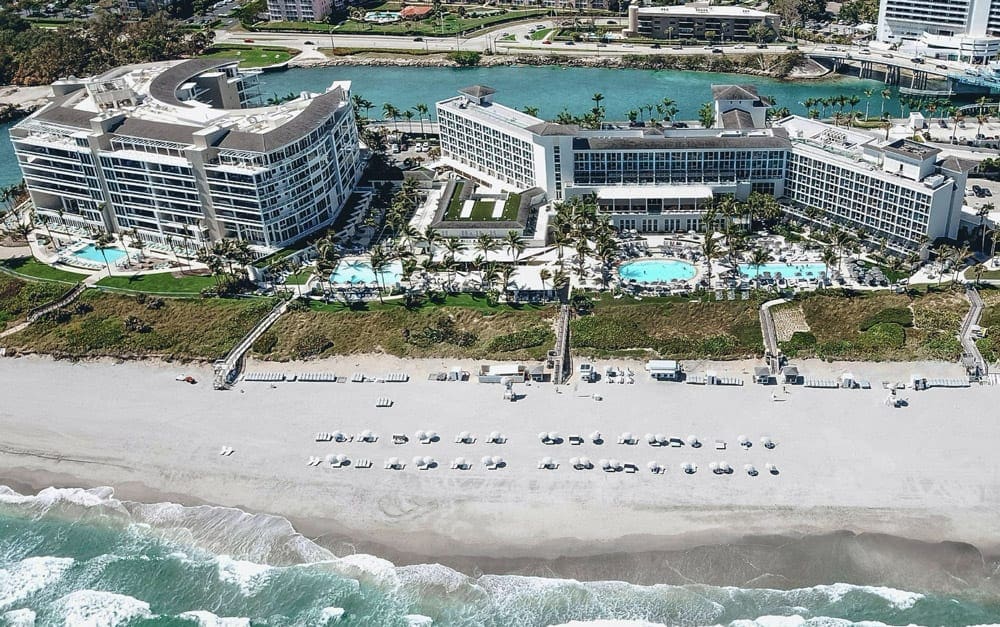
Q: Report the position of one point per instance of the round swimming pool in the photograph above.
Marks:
(653, 270)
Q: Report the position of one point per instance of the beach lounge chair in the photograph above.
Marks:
(630, 468)
(399, 438)
(496, 438)
(363, 463)
(575, 440)
(720, 445)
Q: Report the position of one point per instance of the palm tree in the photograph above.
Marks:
(669, 109)
(390, 112)
(993, 233)
(408, 114)
(514, 244)
(544, 275)
(984, 212)
(868, 100)
(960, 255)
(853, 102)
(379, 261)
(44, 221)
(532, 111)
(978, 271)
(710, 250)
(102, 243)
(431, 238)
(886, 94)
(829, 258)
(759, 257)
(422, 110)
(506, 273)
(486, 244)
(488, 276)
(137, 242)
(956, 117)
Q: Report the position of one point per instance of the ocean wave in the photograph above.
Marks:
(30, 575)
(23, 617)
(268, 562)
(97, 608)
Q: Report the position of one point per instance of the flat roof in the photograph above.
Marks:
(656, 142)
(911, 149)
(622, 192)
(701, 10)
(491, 112)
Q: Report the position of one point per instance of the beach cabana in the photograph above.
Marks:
(848, 381)
(790, 374)
(664, 369)
(762, 375)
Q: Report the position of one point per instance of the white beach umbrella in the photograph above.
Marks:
(693, 441)
(771, 467)
(714, 467)
(497, 460)
(338, 436)
(553, 435)
(660, 438)
(614, 463)
(725, 467)
(651, 438)
(331, 458)
(341, 458)
(689, 468)
(494, 436)
(428, 461)
(750, 470)
(465, 435)
(574, 461)
(596, 435)
(653, 466)
(543, 436)
(432, 435)
(627, 436)
(420, 435)
(604, 463)
(585, 462)
(743, 439)
(487, 460)
(546, 461)
(461, 462)
(767, 442)
(418, 461)
(393, 461)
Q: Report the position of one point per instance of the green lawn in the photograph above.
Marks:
(539, 35)
(482, 210)
(31, 267)
(251, 56)
(291, 26)
(299, 278)
(452, 24)
(161, 283)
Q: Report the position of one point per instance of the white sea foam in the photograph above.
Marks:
(376, 568)
(418, 620)
(609, 623)
(208, 619)
(899, 599)
(97, 608)
(19, 618)
(92, 497)
(330, 614)
(30, 575)
(249, 576)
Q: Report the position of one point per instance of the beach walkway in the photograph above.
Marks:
(770, 336)
(227, 368)
(971, 356)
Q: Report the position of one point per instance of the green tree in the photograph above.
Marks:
(706, 115)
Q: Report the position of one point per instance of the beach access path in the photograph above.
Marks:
(846, 460)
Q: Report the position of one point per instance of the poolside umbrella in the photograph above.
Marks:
(653, 466)
(428, 461)
(420, 435)
(496, 460)
(543, 436)
(750, 470)
(693, 441)
(596, 435)
(660, 438)
(494, 436)
(487, 460)
(604, 463)
(585, 462)
(714, 467)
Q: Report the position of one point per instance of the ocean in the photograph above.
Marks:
(81, 557)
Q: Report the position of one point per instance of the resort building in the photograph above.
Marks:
(660, 179)
(967, 30)
(466, 211)
(298, 10)
(179, 152)
(701, 22)
(146, 6)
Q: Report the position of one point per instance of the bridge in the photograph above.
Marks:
(912, 78)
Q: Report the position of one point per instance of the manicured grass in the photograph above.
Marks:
(18, 296)
(299, 278)
(291, 26)
(539, 35)
(463, 326)
(176, 328)
(669, 327)
(452, 24)
(836, 321)
(482, 210)
(29, 266)
(251, 56)
(161, 283)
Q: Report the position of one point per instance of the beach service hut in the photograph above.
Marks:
(664, 369)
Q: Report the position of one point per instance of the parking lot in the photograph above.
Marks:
(989, 192)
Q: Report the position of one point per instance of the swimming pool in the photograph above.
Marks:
(93, 254)
(787, 270)
(654, 270)
(358, 271)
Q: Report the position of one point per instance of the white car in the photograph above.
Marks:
(739, 47)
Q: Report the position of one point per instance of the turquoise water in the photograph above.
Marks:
(657, 270)
(787, 270)
(91, 253)
(551, 89)
(75, 557)
(362, 272)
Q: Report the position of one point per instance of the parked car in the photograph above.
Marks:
(941, 66)
(308, 43)
(716, 50)
(987, 192)
(655, 46)
(739, 47)
(916, 60)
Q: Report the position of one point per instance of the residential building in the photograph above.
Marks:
(180, 152)
(660, 179)
(298, 10)
(956, 29)
(146, 6)
(700, 21)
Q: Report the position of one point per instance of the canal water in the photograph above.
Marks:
(550, 89)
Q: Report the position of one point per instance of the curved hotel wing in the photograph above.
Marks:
(180, 152)
(658, 180)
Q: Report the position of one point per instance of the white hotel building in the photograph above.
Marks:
(178, 151)
(655, 180)
(964, 30)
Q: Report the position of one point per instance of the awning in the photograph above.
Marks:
(640, 192)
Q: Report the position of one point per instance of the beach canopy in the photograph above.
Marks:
(546, 461)
(465, 435)
(653, 466)
(428, 461)
(604, 463)
(724, 466)
(596, 435)
(460, 461)
(574, 461)
(693, 440)
(393, 461)
(487, 460)
(614, 463)
(585, 462)
(651, 438)
(420, 435)
(331, 458)
(497, 460)
(662, 439)
(341, 458)
(494, 435)
(418, 461)
(627, 436)
(714, 467)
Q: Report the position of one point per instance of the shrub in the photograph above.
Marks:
(718, 345)
(518, 340)
(882, 336)
(310, 344)
(155, 303)
(135, 325)
(894, 315)
(265, 343)
(801, 341)
(465, 58)
(605, 333)
(946, 346)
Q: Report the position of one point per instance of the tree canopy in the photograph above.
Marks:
(37, 56)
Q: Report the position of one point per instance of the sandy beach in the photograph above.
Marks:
(846, 461)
